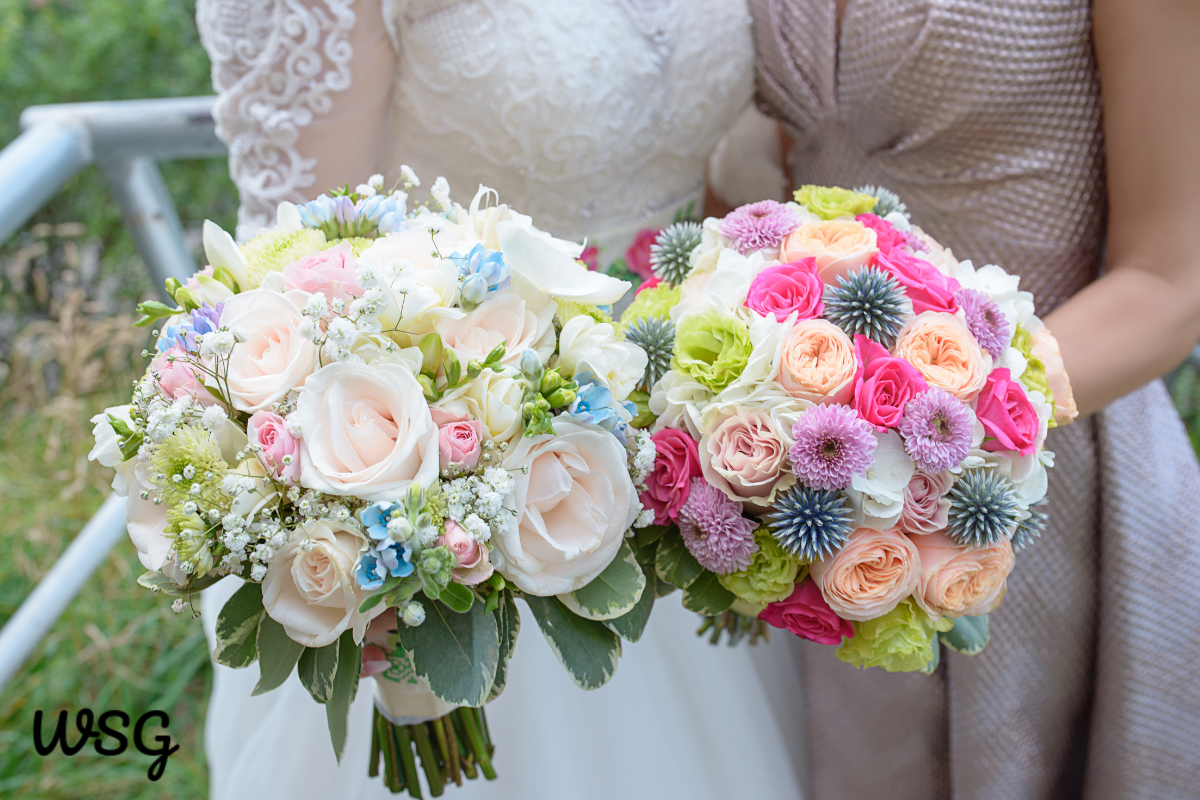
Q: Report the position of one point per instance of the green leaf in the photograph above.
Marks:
(674, 563)
(237, 627)
(456, 653)
(345, 686)
(317, 668)
(508, 622)
(631, 625)
(935, 658)
(457, 597)
(706, 595)
(613, 592)
(588, 650)
(153, 310)
(650, 534)
(277, 655)
(160, 584)
(968, 636)
(376, 597)
(404, 590)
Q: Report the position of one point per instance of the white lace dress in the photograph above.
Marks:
(596, 117)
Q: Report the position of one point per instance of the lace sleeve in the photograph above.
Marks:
(303, 89)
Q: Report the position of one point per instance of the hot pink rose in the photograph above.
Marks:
(787, 288)
(677, 462)
(267, 430)
(924, 284)
(474, 566)
(1007, 415)
(887, 238)
(178, 377)
(806, 614)
(649, 283)
(458, 443)
(590, 257)
(637, 257)
(926, 508)
(883, 384)
(333, 271)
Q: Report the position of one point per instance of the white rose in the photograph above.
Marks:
(494, 399)
(575, 502)
(406, 261)
(518, 317)
(367, 432)
(586, 345)
(878, 495)
(312, 593)
(107, 449)
(276, 357)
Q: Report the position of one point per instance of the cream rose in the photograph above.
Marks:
(574, 501)
(366, 432)
(817, 362)
(587, 345)
(870, 575)
(494, 399)
(961, 581)
(839, 246)
(310, 589)
(943, 350)
(406, 262)
(518, 317)
(743, 455)
(275, 358)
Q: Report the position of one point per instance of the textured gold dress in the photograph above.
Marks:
(985, 116)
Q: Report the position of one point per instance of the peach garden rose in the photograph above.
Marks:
(943, 350)
(961, 581)
(817, 363)
(839, 247)
(870, 575)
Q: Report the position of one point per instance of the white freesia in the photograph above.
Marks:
(107, 449)
(376, 348)
(256, 494)
(494, 399)
(712, 244)
(877, 496)
(222, 252)
(726, 287)
(287, 218)
(146, 522)
(538, 263)
(585, 344)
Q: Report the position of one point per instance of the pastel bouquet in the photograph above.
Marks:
(850, 426)
(390, 424)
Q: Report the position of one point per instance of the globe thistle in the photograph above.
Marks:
(714, 530)
(657, 337)
(758, 225)
(982, 509)
(937, 430)
(810, 523)
(671, 253)
(886, 201)
(870, 302)
(832, 445)
(985, 321)
(1030, 528)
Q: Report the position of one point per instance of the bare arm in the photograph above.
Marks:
(1142, 318)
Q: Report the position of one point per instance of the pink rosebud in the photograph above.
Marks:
(267, 430)
(788, 288)
(677, 462)
(883, 384)
(925, 285)
(333, 271)
(637, 257)
(926, 509)
(887, 238)
(179, 377)
(474, 565)
(806, 614)
(649, 283)
(1007, 415)
(458, 443)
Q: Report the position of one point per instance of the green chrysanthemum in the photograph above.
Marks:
(569, 310)
(191, 542)
(656, 302)
(900, 641)
(436, 506)
(192, 455)
(358, 244)
(671, 253)
(831, 202)
(272, 252)
(771, 576)
(712, 348)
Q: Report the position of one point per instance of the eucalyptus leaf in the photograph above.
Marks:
(707, 596)
(968, 636)
(674, 563)
(317, 669)
(457, 597)
(613, 592)
(508, 622)
(588, 650)
(237, 627)
(630, 626)
(277, 655)
(345, 687)
(456, 653)
(161, 584)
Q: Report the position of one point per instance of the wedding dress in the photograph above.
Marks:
(596, 117)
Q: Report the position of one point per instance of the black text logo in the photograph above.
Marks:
(104, 728)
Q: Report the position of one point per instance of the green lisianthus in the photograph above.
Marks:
(712, 348)
(831, 202)
(900, 641)
(1034, 377)
(271, 252)
(655, 302)
(771, 576)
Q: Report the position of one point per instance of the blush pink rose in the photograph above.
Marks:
(267, 430)
(746, 458)
(870, 575)
(806, 614)
(926, 509)
(883, 384)
(637, 257)
(178, 377)
(788, 288)
(1007, 415)
(458, 443)
(961, 581)
(887, 238)
(474, 566)
(677, 461)
(925, 285)
(333, 271)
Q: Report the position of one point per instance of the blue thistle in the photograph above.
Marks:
(886, 201)
(810, 523)
(1030, 529)
(982, 509)
(671, 253)
(870, 302)
(656, 336)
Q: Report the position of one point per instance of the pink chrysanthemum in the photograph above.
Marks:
(937, 430)
(714, 530)
(985, 320)
(833, 444)
(758, 225)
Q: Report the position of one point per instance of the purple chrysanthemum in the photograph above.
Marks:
(833, 444)
(714, 530)
(937, 430)
(758, 225)
(985, 320)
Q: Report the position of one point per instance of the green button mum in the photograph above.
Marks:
(900, 641)
(771, 576)
(712, 348)
(831, 202)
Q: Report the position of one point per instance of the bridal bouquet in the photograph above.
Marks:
(849, 424)
(389, 425)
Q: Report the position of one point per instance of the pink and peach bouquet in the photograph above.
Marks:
(389, 425)
(850, 427)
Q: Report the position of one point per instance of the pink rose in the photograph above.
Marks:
(1007, 415)
(959, 581)
(178, 377)
(474, 566)
(887, 238)
(925, 285)
(333, 271)
(883, 385)
(590, 257)
(870, 575)
(267, 430)
(926, 508)
(637, 257)
(676, 463)
(746, 458)
(787, 288)
(649, 283)
(458, 443)
(806, 614)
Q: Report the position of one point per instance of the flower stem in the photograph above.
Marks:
(429, 761)
(478, 746)
(404, 743)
